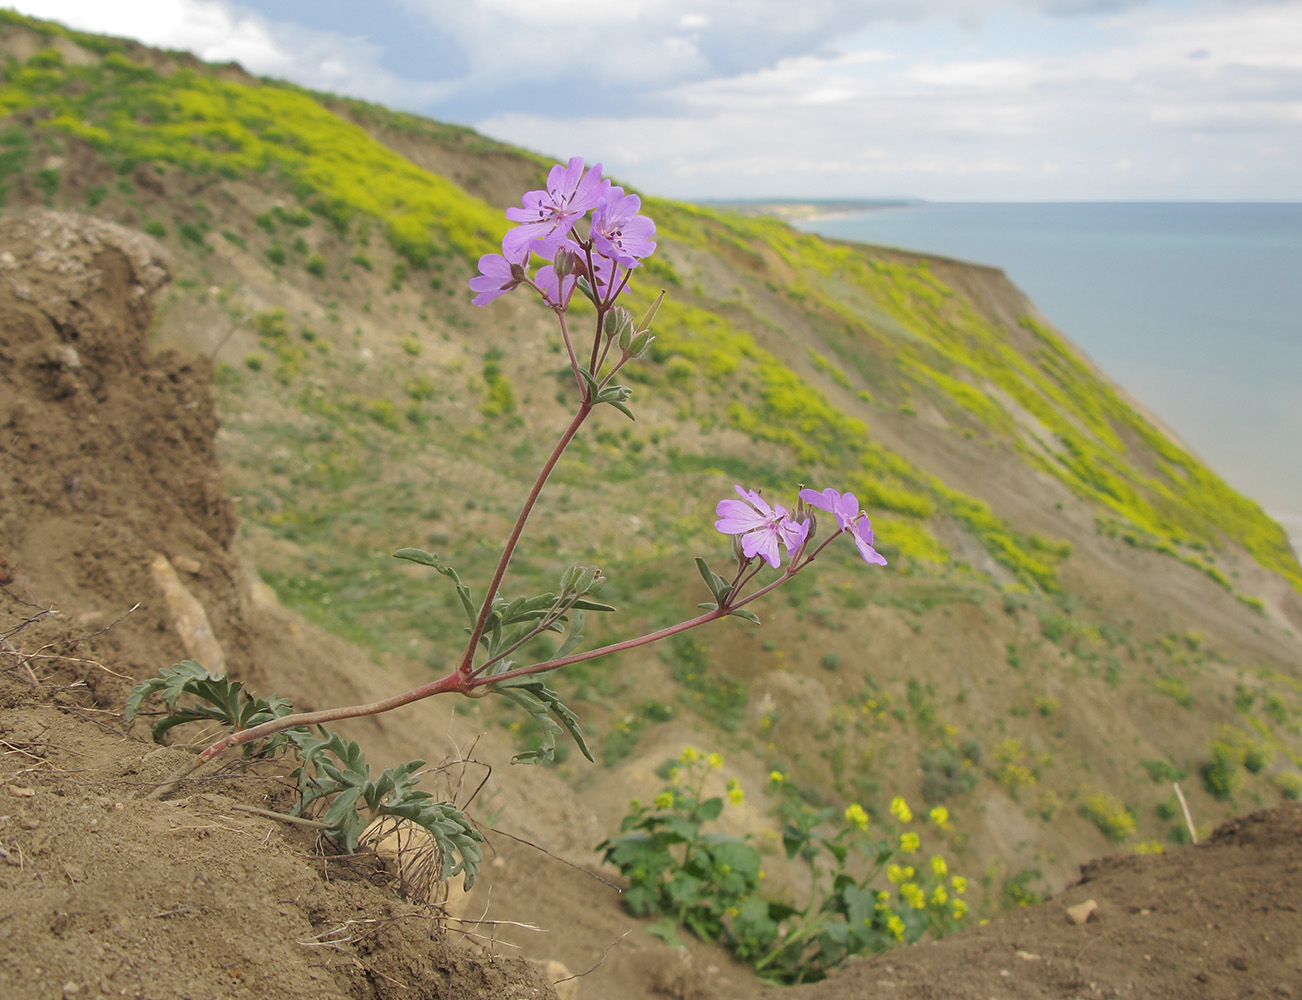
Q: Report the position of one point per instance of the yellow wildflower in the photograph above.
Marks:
(856, 816)
(959, 884)
(900, 810)
(735, 795)
(938, 866)
(896, 926)
(939, 896)
(960, 909)
(777, 777)
(897, 874)
(715, 761)
(909, 842)
(940, 817)
(664, 800)
(911, 894)
(689, 755)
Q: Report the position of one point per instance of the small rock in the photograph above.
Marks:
(71, 989)
(188, 618)
(1028, 956)
(19, 792)
(558, 975)
(188, 564)
(1083, 912)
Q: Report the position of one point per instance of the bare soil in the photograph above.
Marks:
(107, 462)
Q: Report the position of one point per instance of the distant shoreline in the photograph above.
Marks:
(810, 209)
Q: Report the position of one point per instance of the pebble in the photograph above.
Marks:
(1082, 912)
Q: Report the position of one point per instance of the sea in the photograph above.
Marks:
(1194, 308)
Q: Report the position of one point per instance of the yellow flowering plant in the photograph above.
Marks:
(677, 871)
(709, 882)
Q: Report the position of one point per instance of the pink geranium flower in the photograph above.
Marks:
(499, 273)
(762, 528)
(618, 232)
(849, 517)
(547, 216)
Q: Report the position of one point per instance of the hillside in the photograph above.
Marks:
(1076, 611)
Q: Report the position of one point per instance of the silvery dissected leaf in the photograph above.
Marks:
(535, 697)
(430, 559)
(170, 681)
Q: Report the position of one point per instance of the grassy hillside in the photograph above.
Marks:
(1076, 610)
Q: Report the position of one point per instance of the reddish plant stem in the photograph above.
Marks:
(569, 346)
(466, 663)
(467, 684)
(444, 685)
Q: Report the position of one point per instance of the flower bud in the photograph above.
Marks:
(564, 262)
(588, 578)
(640, 343)
(619, 324)
(570, 578)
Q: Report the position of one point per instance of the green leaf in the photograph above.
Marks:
(419, 556)
(430, 559)
(667, 931)
(750, 616)
(709, 809)
(171, 681)
(623, 409)
(585, 604)
(535, 697)
(572, 640)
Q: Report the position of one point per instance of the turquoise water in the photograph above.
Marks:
(1196, 309)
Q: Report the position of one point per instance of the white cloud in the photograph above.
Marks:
(218, 31)
(999, 99)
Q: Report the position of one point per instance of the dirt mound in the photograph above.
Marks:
(106, 463)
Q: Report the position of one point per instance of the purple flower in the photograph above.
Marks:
(549, 215)
(845, 508)
(618, 232)
(498, 274)
(762, 527)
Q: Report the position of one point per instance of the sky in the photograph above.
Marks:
(945, 100)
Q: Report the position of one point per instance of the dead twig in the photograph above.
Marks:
(1184, 806)
(599, 961)
(543, 850)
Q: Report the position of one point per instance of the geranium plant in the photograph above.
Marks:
(593, 238)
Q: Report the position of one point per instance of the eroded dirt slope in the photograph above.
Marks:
(106, 463)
